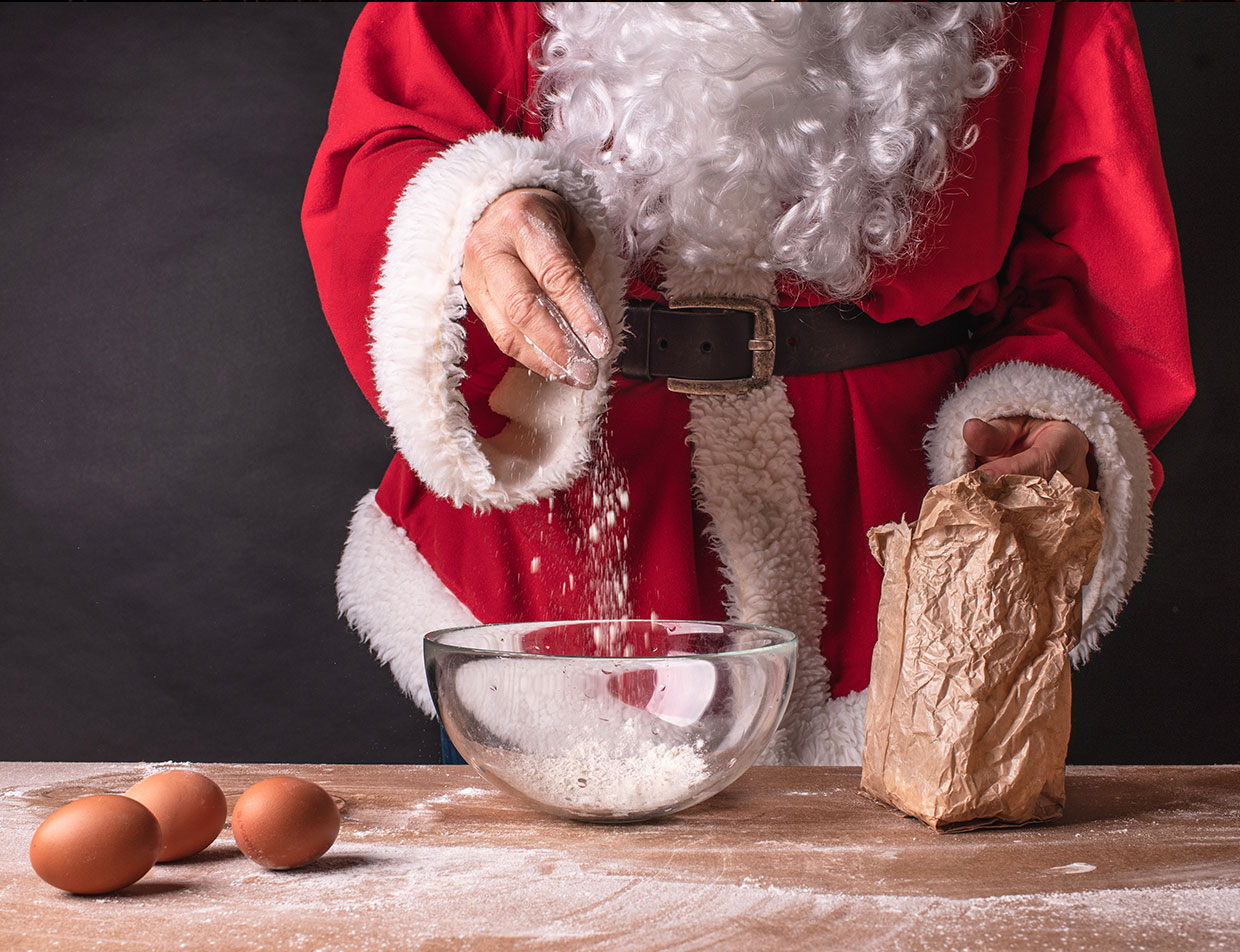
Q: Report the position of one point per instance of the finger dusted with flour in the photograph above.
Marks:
(523, 276)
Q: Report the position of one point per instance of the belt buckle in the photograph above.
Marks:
(762, 345)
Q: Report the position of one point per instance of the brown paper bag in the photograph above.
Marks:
(970, 696)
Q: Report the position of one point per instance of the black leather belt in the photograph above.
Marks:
(730, 345)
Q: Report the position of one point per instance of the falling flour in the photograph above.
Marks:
(603, 555)
(599, 506)
(619, 769)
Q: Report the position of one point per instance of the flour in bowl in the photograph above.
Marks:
(592, 777)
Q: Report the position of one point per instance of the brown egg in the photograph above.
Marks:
(285, 822)
(190, 808)
(96, 844)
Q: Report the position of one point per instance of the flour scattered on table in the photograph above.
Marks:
(1073, 868)
(465, 793)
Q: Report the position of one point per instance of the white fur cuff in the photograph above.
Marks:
(418, 342)
(392, 597)
(1124, 481)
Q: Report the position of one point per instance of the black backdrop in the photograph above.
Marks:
(181, 446)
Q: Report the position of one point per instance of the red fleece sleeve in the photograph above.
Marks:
(415, 79)
(1092, 282)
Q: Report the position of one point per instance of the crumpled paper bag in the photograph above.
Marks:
(970, 698)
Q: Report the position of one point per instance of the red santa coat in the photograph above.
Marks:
(1057, 232)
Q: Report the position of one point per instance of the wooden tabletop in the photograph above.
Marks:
(786, 859)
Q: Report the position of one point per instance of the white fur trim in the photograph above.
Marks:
(1124, 481)
(418, 343)
(748, 479)
(392, 597)
(843, 736)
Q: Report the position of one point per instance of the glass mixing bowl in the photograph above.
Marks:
(611, 721)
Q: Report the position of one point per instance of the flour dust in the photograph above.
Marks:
(598, 512)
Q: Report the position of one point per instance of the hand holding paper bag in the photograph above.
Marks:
(969, 711)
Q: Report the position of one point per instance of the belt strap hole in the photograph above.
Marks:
(706, 347)
(663, 343)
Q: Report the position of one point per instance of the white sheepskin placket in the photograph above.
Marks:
(1124, 480)
(386, 589)
(748, 479)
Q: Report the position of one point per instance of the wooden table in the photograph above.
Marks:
(786, 859)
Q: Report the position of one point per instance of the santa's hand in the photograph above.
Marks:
(523, 277)
(1029, 446)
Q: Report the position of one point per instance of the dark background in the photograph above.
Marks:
(181, 445)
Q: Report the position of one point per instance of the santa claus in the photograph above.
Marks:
(760, 263)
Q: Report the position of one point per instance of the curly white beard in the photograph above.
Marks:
(769, 136)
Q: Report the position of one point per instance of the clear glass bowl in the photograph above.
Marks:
(611, 721)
